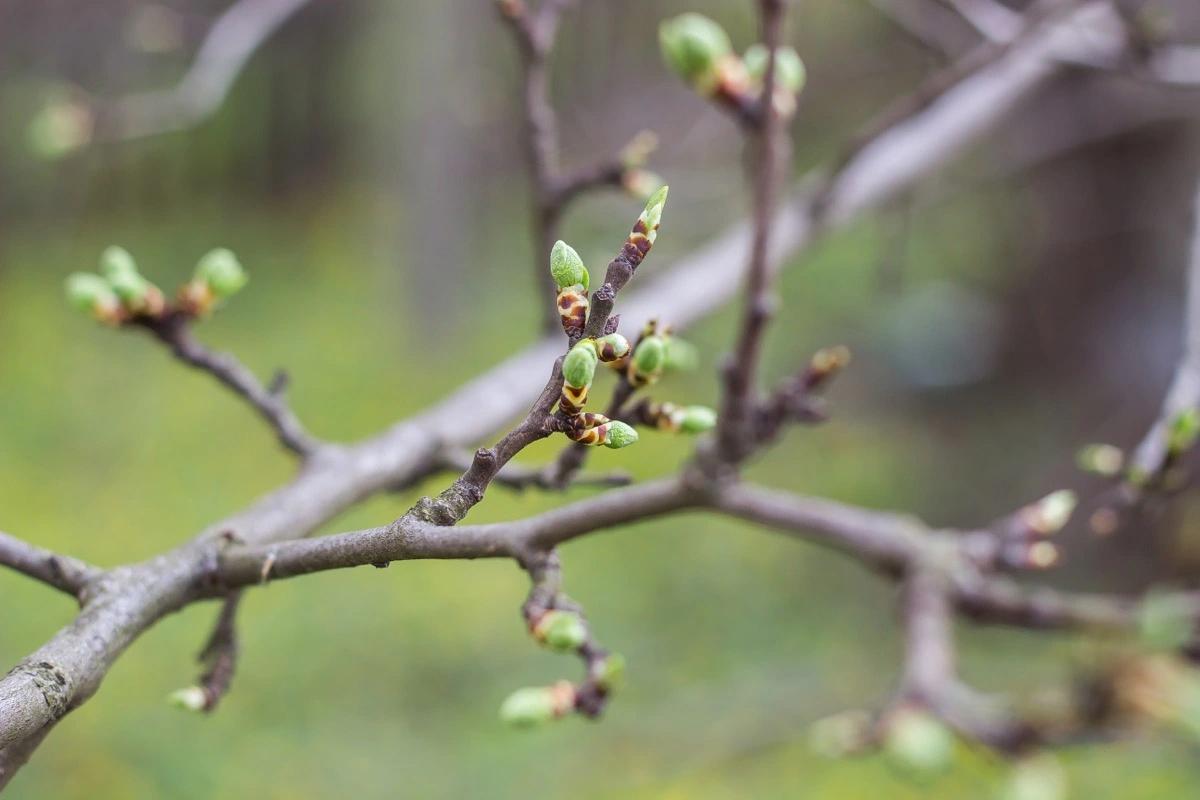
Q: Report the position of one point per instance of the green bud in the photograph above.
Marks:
(59, 129)
(527, 708)
(692, 44)
(650, 355)
(131, 287)
(635, 153)
(117, 261)
(191, 698)
(918, 741)
(1048, 515)
(567, 267)
(562, 631)
(579, 367)
(680, 355)
(1038, 777)
(222, 272)
(789, 69)
(620, 435)
(1184, 430)
(611, 672)
(641, 183)
(1101, 459)
(652, 214)
(91, 294)
(1165, 620)
(841, 734)
(697, 419)
(612, 347)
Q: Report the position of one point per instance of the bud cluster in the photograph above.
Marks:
(699, 50)
(119, 293)
(571, 275)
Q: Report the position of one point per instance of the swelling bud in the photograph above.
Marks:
(693, 46)
(697, 419)
(1101, 459)
(191, 698)
(612, 347)
(566, 267)
(652, 214)
(579, 367)
(610, 674)
(619, 435)
(221, 272)
(917, 741)
(534, 706)
(561, 631)
(1048, 515)
(117, 261)
(790, 73)
(91, 294)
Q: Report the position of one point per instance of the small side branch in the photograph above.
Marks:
(741, 371)
(519, 478)
(175, 332)
(64, 573)
(220, 653)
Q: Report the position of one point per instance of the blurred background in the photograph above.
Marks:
(367, 168)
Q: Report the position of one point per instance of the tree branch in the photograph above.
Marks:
(174, 330)
(231, 42)
(734, 424)
(64, 573)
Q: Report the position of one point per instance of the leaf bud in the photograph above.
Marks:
(692, 46)
(579, 366)
(533, 706)
(567, 267)
(1101, 459)
(91, 294)
(221, 271)
(190, 698)
(619, 435)
(561, 631)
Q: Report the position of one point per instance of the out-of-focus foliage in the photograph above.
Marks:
(370, 183)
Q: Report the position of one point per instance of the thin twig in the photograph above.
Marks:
(174, 331)
(220, 653)
(62, 572)
(741, 372)
(515, 476)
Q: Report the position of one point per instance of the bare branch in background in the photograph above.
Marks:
(993, 20)
(927, 22)
(233, 39)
